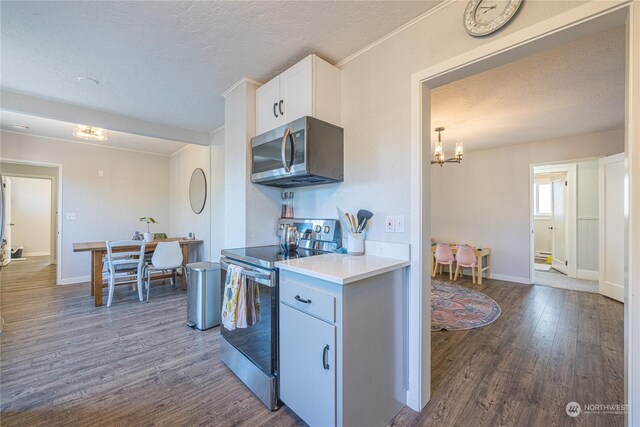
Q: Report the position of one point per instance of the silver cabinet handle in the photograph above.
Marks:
(283, 150)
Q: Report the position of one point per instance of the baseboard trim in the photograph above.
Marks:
(28, 254)
(508, 278)
(588, 274)
(74, 280)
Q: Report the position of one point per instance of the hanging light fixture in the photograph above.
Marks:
(89, 132)
(438, 151)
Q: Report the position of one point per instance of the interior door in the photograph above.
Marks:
(611, 233)
(7, 218)
(268, 106)
(558, 224)
(296, 89)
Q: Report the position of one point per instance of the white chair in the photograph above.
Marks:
(166, 257)
(126, 266)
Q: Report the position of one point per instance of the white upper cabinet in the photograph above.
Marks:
(312, 87)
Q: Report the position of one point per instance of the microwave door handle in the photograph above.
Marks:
(283, 150)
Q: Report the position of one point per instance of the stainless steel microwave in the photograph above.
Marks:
(304, 152)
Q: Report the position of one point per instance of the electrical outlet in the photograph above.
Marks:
(71, 216)
(399, 223)
(389, 226)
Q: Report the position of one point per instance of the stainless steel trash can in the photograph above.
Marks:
(203, 295)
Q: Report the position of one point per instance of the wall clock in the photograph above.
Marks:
(484, 17)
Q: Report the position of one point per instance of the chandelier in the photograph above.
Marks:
(438, 152)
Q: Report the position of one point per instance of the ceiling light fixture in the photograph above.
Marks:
(438, 152)
(88, 80)
(90, 132)
(18, 126)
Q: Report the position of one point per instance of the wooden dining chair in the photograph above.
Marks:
(125, 266)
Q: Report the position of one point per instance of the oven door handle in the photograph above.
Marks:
(249, 272)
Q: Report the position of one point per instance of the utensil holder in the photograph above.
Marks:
(355, 244)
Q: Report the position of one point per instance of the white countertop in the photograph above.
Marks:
(342, 269)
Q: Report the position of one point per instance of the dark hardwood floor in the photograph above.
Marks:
(65, 362)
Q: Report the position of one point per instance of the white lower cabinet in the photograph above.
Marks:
(342, 349)
(308, 366)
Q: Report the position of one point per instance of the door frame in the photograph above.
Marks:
(582, 20)
(58, 200)
(571, 232)
(602, 218)
(53, 220)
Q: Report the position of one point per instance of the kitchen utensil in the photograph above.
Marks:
(362, 225)
(345, 223)
(290, 238)
(362, 214)
(352, 219)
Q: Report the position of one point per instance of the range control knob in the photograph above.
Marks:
(317, 228)
(326, 229)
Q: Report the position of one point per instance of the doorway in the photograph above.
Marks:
(32, 205)
(582, 20)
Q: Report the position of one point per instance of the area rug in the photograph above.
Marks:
(456, 308)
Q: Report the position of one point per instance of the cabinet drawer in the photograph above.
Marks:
(308, 300)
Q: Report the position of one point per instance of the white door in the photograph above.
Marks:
(268, 107)
(558, 224)
(7, 218)
(612, 253)
(308, 366)
(296, 89)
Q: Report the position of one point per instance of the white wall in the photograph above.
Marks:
(134, 185)
(183, 219)
(484, 201)
(31, 215)
(217, 193)
(376, 114)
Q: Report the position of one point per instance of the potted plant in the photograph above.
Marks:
(148, 236)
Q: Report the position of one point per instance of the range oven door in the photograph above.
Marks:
(252, 352)
(279, 153)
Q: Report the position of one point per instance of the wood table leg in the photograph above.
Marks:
(92, 276)
(185, 261)
(479, 270)
(97, 278)
(488, 266)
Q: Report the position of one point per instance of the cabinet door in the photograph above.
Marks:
(267, 107)
(296, 89)
(308, 366)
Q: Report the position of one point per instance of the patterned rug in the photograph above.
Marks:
(455, 308)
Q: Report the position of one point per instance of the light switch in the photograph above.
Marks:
(399, 223)
(389, 224)
(71, 216)
(100, 173)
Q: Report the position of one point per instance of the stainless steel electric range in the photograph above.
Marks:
(252, 352)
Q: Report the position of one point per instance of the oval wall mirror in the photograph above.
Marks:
(198, 190)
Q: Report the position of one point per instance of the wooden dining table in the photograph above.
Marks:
(99, 251)
(481, 253)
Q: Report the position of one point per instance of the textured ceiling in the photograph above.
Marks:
(62, 130)
(169, 62)
(569, 90)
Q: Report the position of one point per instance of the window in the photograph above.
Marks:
(542, 197)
